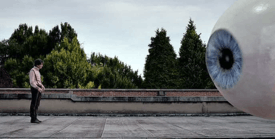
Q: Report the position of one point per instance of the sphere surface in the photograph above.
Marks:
(240, 56)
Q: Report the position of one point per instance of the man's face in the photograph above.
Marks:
(40, 66)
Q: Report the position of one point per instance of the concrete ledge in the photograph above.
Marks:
(129, 114)
(70, 107)
(118, 101)
(120, 92)
(115, 90)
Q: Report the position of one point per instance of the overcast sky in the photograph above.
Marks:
(120, 28)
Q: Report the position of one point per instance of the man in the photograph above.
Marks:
(36, 89)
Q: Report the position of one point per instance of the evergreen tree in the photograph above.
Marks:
(22, 33)
(56, 36)
(36, 45)
(24, 41)
(18, 71)
(191, 63)
(5, 80)
(67, 32)
(25, 45)
(160, 68)
(17, 41)
(4, 51)
(114, 73)
(66, 66)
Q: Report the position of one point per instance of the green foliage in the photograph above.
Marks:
(35, 43)
(9, 66)
(21, 42)
(160, 68)
(192, 68)
(96, 69)
(112, 79)
(22, 47)
(66, 66)
(19, 71)
(4, 49)
(22, 33)
(67, 32)
(111, 73)
(25, 45)
(26, 85)
(90, 85)
(56, 35)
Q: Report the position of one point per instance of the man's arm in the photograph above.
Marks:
(33, 82)
(42, 86)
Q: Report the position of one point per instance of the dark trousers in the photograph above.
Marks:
(36, 96)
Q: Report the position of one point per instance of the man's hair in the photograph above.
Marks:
(38, 62)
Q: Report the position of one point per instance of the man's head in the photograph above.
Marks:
(38, 63)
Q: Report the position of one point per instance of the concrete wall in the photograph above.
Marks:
(118, 101)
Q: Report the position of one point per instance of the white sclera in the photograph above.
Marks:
(252, 24)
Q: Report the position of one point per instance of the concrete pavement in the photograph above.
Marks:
(137, 127)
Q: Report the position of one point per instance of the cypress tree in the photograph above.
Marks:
(160, 66)
(191, 63)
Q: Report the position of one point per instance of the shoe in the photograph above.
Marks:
(34, 121)
(38, 120)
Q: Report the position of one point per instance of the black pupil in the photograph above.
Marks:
(226, 58)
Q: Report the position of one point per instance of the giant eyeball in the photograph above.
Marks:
(240, 56)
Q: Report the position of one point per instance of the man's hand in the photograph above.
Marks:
(40, 90)
(43, 88)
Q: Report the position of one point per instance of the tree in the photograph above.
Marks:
(56, 35)
(191, 63)
(37, 44)
(110, 79)
(5, 80)
(21, 49)
(4, 51)
(67, 32)
(66, 66)
(18, 71)
(113, 73)
(17, 41)
(22, 33)
(25, 45)
(24, 41)
(160, 68)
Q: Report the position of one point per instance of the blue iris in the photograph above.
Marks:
(224, 59)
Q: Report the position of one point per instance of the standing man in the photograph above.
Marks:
(36, 88)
